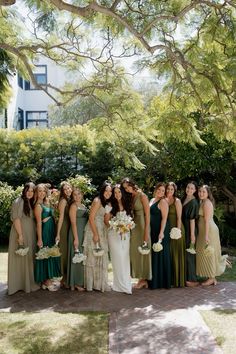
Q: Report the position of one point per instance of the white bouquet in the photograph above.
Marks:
(175, 233)
(157, 247)
(47, 252)
(191, 248)
(79, 257)
(22, 250)
(98, 251)
(144, 249)
(122, 223)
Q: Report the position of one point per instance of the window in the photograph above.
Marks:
(20, 123)
(37, 119)
(40, 75)
(20, 81)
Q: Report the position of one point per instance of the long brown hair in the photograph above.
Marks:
(28, 203)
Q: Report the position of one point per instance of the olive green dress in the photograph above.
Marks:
(190, 212)
(140, 264)
(21, 268)
(75, 272)
(177, 251)
(64, 243)
(50, 267)
(212, 264)
(161, 263)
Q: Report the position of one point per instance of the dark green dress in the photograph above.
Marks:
(190, 212)
(161, 263)
(47, 268)
(177, 251)
(64, 242)
(75, 272)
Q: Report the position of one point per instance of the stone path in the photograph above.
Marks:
(147, 322)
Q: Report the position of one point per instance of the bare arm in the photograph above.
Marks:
(72, 215)
(146, 209)
(61, 208)
(178, 207)
(164, 208)
(18, 227)
(207, 212)
(93, 211)
(38, 217)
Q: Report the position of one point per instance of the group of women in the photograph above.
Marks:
(146, 252)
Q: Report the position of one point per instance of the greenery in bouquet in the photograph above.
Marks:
(191, 248)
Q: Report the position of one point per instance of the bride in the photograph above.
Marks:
(119, 244)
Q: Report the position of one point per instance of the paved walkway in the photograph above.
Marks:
(147, 322)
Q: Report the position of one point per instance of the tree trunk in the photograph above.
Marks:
(231, 196)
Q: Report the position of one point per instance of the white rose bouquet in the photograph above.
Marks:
(157, 247)
(98, 251)
(47, 252)
(22, 250)
(191, 248)
(144, 249)
(79, 257)
(122, 223)
(175, 233)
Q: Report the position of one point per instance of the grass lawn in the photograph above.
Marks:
(224, 334)
(53, 333)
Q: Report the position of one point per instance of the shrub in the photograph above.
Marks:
(7, 196)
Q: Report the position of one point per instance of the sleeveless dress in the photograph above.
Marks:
(119, 247)
(21, 268)
(140, 264)
(75, 272)
(214, 264)
(50, 267)
(177, 251)
(161, 263)
(96, 268)
(64, 243)
(190, 212)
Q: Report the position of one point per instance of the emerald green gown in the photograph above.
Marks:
(161, 262)
(190, 212)
(75, 272)
(177, 251)
(47, 268)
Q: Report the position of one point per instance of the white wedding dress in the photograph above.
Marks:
(120, 259)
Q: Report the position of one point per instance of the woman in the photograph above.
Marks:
(96, 268)
(119, 244)
(140, 264)
(189, 218)
(78, 219)
(63, 227)
(177, 246)
(45, 268)
(23, 234)
(210, 263)
(160, 232)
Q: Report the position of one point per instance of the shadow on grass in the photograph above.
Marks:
(54, 333)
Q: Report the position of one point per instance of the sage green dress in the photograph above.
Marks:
(190, 212)
(64, 243)
(140, 264)
(75, 272)
(213, 264)
(21, 268)
(50, 267)
(177, 251)
(161, 263)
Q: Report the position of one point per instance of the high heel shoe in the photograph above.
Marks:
(141, 285)
(210, 281)
(50, 287)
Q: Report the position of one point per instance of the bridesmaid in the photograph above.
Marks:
(48, 268)
(189, 218)
(119, 244)
(23, 233)
(140, 264)
(160, 231)
(177, 246)
(78, 218)
(63, 228)
(210, 262)
(96, 268)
